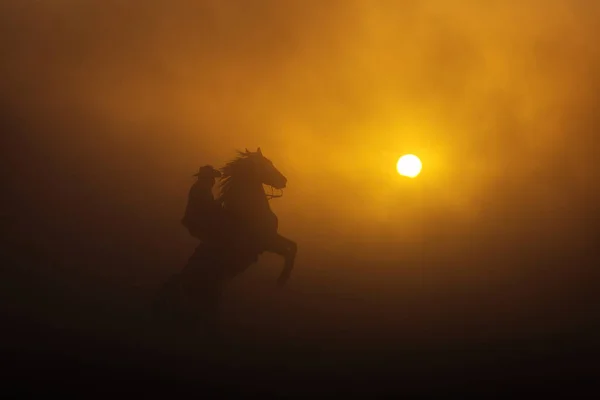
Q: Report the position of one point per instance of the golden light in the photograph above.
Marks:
(409, 165)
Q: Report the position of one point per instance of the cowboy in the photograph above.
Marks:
(201, 212)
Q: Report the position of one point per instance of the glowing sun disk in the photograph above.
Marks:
(409, 165)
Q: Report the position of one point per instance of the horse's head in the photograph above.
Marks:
(265, 171)
(247, 173)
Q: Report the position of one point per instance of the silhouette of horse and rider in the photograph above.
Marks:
(234, 229)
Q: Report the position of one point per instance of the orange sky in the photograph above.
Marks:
(497, 98)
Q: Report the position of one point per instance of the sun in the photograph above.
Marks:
(409, 165)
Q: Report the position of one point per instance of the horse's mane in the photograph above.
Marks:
(232, 170)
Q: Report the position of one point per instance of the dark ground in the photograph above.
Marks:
(44, 359)
(93, 336)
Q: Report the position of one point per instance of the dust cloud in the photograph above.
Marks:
(110, 107)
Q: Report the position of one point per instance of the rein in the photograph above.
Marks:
(271, 195)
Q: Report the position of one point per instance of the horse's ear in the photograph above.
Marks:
(258, 151)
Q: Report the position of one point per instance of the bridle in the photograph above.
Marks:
(272, 195)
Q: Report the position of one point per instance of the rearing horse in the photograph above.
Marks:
(246, 206)
(244, 227)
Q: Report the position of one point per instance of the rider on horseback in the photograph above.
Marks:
(240, 224)
(205, 219)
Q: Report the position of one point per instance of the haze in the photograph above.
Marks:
(109, 107)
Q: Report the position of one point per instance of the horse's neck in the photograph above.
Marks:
(247, 200)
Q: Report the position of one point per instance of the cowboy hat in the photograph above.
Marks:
(208, 171)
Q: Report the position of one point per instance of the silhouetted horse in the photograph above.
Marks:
(248, 215)
(246, 227)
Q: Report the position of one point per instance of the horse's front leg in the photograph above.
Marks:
(288, 249)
